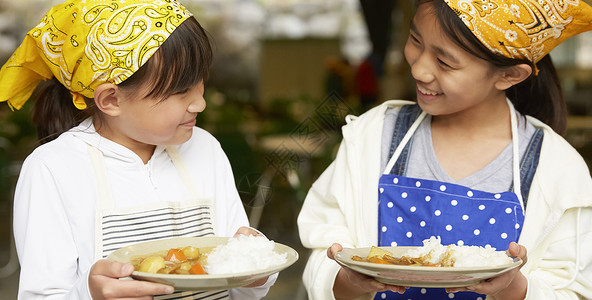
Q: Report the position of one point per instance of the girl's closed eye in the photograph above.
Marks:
(443, 64)
(183, 91)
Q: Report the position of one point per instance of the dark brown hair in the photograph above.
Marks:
(182, 61)
(539, 95)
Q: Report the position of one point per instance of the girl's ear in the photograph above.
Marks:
(512, 76)
(107, 99)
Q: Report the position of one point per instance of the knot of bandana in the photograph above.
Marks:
(524, 29)
(85, 43)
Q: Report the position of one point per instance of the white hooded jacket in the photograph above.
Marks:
(56, 199)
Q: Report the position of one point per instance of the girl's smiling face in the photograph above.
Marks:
(168, 121)
(142, 122)
(449, 79)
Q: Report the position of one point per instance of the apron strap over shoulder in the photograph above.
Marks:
(181, 167)
(405, 118)
(103, 184)
(403, 143)
(515, 153)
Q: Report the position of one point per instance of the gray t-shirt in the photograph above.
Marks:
(495, 177)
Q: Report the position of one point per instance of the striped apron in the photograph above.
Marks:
(119, 227)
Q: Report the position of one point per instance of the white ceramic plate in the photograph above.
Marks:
(418, 276)
(197, 282)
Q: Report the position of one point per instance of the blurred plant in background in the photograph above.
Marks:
(18, 138)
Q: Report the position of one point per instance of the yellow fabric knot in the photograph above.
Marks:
(78, 100)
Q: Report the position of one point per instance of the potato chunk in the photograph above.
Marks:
(152, 264)
(191, 252)
(378, 252)
(185, 266)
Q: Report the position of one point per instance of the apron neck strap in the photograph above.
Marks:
(515, 149)
(105, 196)
(403, 143)
(181, 167)
(515, 153)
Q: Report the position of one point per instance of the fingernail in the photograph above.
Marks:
(378, 285)
(169, 290)
(127, 269)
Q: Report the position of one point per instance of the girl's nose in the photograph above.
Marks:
(197, 105)
(422, 69)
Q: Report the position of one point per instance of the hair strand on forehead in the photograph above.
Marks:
(182, 61)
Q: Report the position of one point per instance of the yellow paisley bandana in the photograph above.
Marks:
(524, 29)
(85, 43)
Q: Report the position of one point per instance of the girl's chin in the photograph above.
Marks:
(429, 107)
(181, 139)
(423, 103)
(184, 140)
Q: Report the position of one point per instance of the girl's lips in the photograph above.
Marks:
(426, 95)
(427, 92)
(190, 123)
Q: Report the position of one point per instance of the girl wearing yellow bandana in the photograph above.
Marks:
(478, 159)
(119, 85)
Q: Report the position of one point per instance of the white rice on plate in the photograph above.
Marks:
(460, 256)
(244, 254)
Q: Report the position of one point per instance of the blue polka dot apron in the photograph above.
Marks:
(411, 210)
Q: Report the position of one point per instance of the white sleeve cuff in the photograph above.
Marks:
(253, 293)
